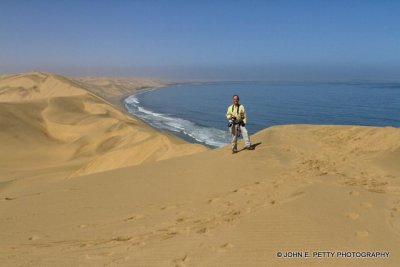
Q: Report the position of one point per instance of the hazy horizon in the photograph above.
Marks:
(178, 40)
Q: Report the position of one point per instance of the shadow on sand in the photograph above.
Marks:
(252, 147)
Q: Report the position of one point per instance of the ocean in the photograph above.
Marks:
(196, 112)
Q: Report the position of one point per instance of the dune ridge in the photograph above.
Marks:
(304, 188)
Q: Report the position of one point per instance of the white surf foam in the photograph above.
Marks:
(209, 136)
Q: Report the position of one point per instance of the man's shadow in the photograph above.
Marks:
(252, 147)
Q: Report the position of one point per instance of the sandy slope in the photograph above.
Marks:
(304, 188)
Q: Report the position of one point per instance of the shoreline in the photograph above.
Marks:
(121, 99)
(119, 102)
(188, 135)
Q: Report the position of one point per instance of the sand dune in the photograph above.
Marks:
(304, 188)
(50, 122)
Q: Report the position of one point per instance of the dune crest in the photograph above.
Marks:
(34, 86)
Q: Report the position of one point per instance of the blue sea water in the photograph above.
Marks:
(196, 112)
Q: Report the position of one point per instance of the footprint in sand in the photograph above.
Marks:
(296, 194)
(134, 218)
(83, 226)
(222, 248)
(181, 219)
(203, 230)
(269, 203)
(354, 193)
(235, 214)
(226, 246)
(213, 200)
(362, 233)
(366, 205)
(182, 261)
(168, 233)
(122, 238)
(170, 207)
(277, 183)
(353, 216)
(34, 237)
(218, 200)
(245, 191)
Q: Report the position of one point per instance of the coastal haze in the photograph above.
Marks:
(85, 183)
(207, 40)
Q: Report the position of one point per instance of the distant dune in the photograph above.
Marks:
(113, 89)
(65, 199)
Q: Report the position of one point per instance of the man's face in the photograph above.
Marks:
(235, 100)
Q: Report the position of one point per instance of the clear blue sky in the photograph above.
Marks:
(235, 40)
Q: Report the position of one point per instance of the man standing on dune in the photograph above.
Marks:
(236, 115)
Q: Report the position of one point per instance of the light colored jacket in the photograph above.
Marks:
(238, 112)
